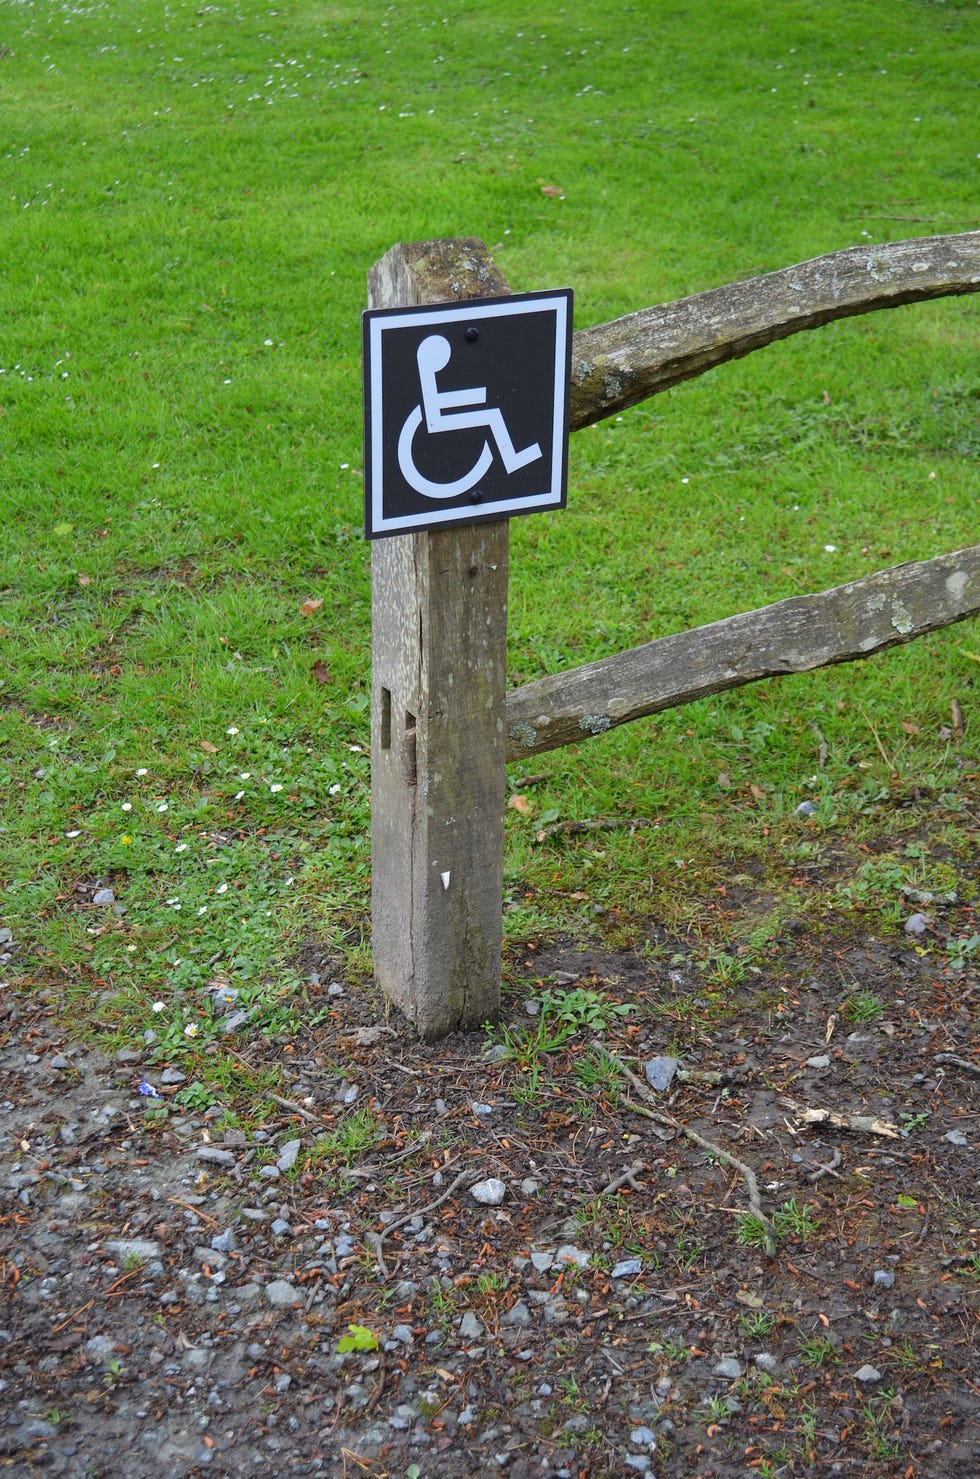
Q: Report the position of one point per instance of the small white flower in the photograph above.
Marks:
(239, 795)
(163, 806)
(181, 847)
(142, 770)
(73, 834)
(276, 786)
(246, 775)
(191, 1030)
(268, 343)
(830, 549)
(158, 1006)
(356, 749)
(222, 888)
(232, 730)
(334, 791)
(127, 806)
(203, 909)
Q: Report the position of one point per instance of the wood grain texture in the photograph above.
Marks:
(617, 364)
(439, 635)
(844, 624)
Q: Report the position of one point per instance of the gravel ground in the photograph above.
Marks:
(548, 1283)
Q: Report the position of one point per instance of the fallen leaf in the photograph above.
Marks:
(909, 727)
(85, 580)
(757, 792)
(553, 190)
(320, 671)
(209, 748)
(518, 803)
(310, 607)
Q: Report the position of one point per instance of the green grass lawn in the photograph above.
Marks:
(191, 198)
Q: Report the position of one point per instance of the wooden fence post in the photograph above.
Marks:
(438, 777)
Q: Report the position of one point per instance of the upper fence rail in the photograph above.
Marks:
(617, 364)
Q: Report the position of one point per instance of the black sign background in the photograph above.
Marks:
(523, 359)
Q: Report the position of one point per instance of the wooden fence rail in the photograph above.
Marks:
(442, 724)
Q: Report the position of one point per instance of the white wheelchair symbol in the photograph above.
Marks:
(440, 413)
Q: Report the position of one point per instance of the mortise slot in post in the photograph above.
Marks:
(408, 750)
(386, 718)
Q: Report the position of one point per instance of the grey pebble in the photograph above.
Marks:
(215, 1156)
(867, 1374)
(103, 896)
(659, 1072)
(728, 1367)
(820, 1061)
(884, 1278)
(288, 1155)
(224, 1242)
(281, 1294)
(805, 809)
(489, 1193)
(628, 1268)
(917, 924)
(956, 1137)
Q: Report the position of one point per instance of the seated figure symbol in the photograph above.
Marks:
(442, 411)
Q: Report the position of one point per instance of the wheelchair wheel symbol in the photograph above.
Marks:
(441, 411)
(423, 485)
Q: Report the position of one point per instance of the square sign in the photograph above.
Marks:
(465, 411)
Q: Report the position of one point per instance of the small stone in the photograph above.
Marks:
(127, 1056)
(956, 1137)
(233, 1022)
(224, 1242)
(530, 1187)
(470, 1328)
(99, 1348)
(867, 1374)
(288, 1155)
(441, 1107)
(144, 1249)
(569, 1254)
(489, 1193)
(637, 1462)
(917, 924)
(519, 1315)
(281, 1294)
(805, 809)
(59, 1062)
(884, 1278)
(728, 1368)
(482, 1111)
(766, 1362)
(628, 1268)
(103, 896)
(403, 1333)
(660, 1071)
(281, 1228)
(542, 1261)
(643, 1437)
(173, 1076)
(820, 1061)
(215, 1156)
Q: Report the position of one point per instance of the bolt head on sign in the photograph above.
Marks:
(465, 411)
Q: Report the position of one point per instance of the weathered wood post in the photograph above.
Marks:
(439, 635)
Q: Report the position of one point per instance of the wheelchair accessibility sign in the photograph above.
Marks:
(465, 411)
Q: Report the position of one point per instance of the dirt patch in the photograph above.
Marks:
(178, 1281)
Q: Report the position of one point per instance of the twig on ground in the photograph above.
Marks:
(862, 1123)
(626, 1177)
(292, 1106)
(375, 1240)
(659, 1117)
(956, 1062)
(826, 1169)
(593, 824)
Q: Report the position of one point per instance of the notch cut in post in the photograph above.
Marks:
(438, 768)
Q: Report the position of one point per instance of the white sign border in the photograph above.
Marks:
(557, 301)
